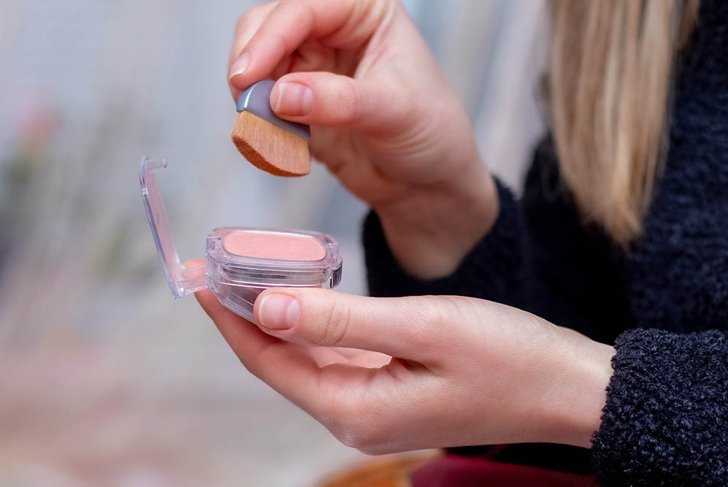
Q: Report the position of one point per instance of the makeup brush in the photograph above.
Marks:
(270, 143)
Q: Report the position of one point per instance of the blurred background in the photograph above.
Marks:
(104, 380)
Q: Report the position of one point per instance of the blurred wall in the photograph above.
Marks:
(104, 379)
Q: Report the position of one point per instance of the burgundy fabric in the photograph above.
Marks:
(453, 470)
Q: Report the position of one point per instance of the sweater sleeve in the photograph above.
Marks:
(494, 269)
(666, 417)
(538, 256)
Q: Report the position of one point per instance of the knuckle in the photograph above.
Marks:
(354, 426)
(354, 438)
(253, 17)
(436, 311)
(336, 320)
(432, 320)
(459, 307)
(253, 368)
(244, 21)
(279, 42)
(348, 102)
(428, 311)
(296, 9)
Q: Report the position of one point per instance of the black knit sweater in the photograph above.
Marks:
(663, 303)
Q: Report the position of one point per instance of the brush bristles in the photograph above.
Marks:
(270, 147)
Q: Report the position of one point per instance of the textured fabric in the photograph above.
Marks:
(674, 431)
(501, 252)
(664, 301)
(686, 230)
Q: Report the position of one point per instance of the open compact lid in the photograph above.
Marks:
(182, 280)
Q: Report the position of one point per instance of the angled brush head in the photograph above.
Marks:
(270, 143)
(270, 147)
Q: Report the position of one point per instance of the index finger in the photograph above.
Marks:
(335, 23)
(288, 368)
(284, 366)
(245, 28)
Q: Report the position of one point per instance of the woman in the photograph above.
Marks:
(619, 248)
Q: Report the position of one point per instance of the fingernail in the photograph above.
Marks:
(292, 99)
(240, 65)
(279, 311)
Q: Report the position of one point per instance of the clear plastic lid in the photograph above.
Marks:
(182, 280)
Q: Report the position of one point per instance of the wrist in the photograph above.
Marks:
(431, 228)
(572, 407)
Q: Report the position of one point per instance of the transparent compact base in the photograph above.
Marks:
(240, 262)
(239, 300)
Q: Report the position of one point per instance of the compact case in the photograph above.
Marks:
(240, 262)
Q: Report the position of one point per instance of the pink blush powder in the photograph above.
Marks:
(271, 245)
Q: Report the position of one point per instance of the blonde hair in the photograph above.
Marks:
(609, 83)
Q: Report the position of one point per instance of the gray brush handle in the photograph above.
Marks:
(256, 100)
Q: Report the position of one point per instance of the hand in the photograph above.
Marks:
(394, 374)
(384, 120)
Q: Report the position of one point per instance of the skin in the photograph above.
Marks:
(362, 76)
(394, 374)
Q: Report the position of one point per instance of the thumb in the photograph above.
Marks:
(410, 327)
(327, 99)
